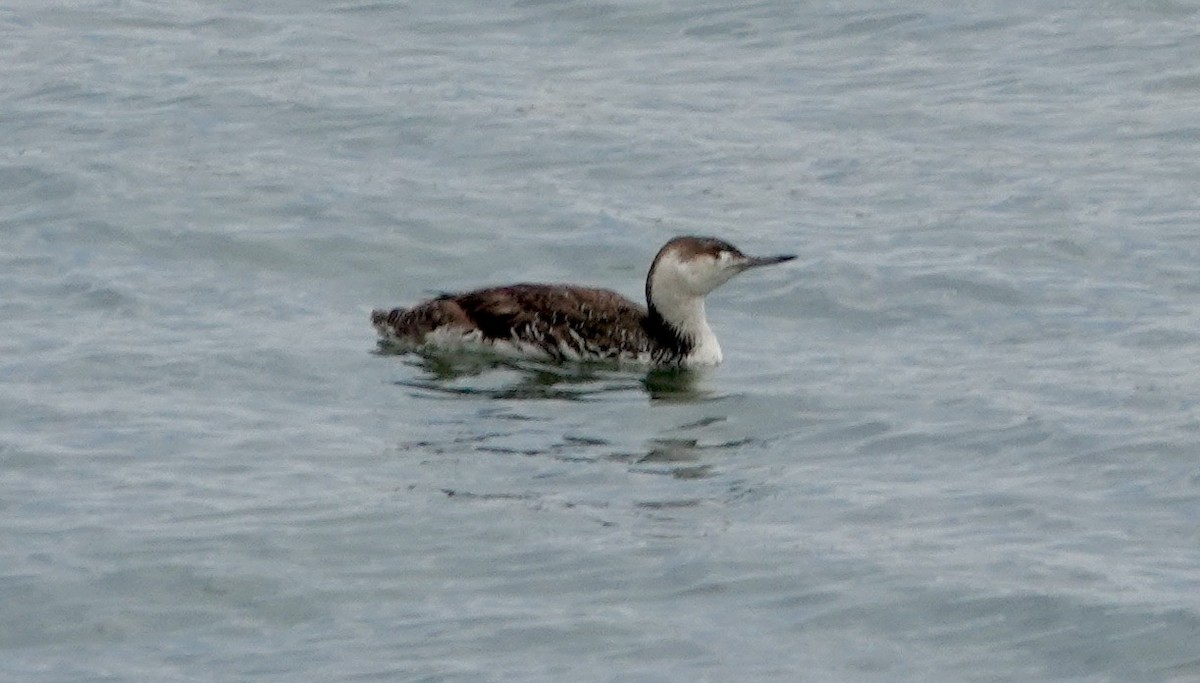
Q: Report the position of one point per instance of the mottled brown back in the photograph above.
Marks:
(595, 323)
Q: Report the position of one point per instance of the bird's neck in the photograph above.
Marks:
(679, 322)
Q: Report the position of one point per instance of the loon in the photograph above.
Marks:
(567, 322)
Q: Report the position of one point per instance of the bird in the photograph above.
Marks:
(560, 322)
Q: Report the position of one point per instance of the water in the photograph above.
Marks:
(956, 441)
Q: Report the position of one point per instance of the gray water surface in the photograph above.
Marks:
(957, 440)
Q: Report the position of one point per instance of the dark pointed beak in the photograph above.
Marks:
(756, 261)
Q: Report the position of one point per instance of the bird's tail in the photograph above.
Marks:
(382, 319)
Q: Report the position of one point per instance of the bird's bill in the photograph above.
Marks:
(756, 261)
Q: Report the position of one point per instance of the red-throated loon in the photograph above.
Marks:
(566, 322)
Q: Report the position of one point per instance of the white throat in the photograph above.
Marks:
(676, 291)
(686, 316)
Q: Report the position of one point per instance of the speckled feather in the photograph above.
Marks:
(563, 322)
